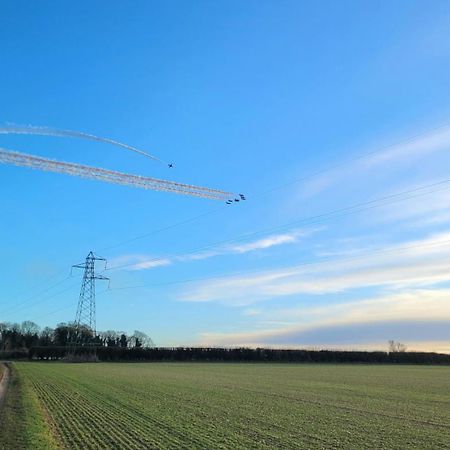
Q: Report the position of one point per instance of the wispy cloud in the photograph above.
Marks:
(138, 261)
(265, 243)
(251, 312)
(409, 150)
(151, 264)
(422, 211)
(416, 147)
(141, 262)
(413, 263)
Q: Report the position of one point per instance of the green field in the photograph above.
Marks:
(158, 405)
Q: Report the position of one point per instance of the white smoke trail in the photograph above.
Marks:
(48, 131)
(109, 176)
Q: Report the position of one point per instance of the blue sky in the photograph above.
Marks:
(273, 99)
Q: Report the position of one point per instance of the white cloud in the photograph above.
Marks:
(152, 263)
(418, 304)
(414, 263)
(264, 243)
(137, 262)
(140, 262)
(197, 256)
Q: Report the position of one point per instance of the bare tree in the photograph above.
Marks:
(46, 336)
(110, 338)
(142, 340)
(396, 347)
(29, 328)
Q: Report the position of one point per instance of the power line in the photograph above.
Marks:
(305, 263)
(306, 177)
(160, 230)
(359, 157)
(312, 175)
(257, 271)
(66, 307)
(42, 300)
(311, 220)
(27, 300)
(40, 283)
(319, 217)
(353, 209)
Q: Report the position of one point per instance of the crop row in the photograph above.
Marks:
(137, 406)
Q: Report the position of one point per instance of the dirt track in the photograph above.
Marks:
(4, 382)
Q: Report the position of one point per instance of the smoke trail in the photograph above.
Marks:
(109, 176)
(47, 131)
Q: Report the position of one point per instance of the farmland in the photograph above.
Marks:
(196, 405)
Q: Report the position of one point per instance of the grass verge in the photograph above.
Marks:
(22, 422)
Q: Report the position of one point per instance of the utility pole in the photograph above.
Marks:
(86, 304)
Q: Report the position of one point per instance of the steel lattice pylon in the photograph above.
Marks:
(86, 303)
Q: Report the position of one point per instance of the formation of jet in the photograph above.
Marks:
(241, 197)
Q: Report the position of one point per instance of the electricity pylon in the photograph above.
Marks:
(86, 304)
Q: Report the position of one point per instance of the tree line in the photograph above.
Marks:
(27, 340)
(26, 335)
(213, 354)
